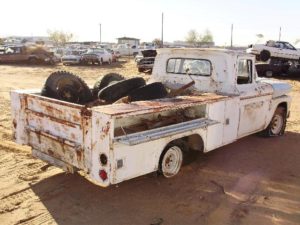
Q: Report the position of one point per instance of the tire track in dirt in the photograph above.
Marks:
(41, 218)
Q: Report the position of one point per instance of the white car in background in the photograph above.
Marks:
(72, 57)
(274, 49)
(96, 55)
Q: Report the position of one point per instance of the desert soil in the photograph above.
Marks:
(252, 181)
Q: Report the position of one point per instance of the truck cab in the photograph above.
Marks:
(228, 73)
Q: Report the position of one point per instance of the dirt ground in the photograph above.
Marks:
(252, 181)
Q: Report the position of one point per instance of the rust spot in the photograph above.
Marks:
(51, 110)
(106, 128)
(15, 123)
(76, 118)
(86, 112)
(73, 136)
(50, 152)
(79, 155)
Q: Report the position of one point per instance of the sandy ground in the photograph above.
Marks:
(252, 181)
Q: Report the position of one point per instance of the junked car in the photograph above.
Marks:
(72, 57)
(280, 50)
(145, 60)
(96, 56)
(26, 54)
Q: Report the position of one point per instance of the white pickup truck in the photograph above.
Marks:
(116, 142)
(126, 50)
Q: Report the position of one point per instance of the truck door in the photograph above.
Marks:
(253, 103)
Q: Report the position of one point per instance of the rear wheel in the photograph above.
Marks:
(277, 124)
(33, 60)
(170, 161)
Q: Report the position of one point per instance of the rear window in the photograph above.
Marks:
(201, 67)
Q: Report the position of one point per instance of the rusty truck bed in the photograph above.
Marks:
(143, 107)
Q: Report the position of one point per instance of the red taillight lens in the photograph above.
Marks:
(103, 175)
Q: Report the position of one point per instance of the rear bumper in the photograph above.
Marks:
(53, 161)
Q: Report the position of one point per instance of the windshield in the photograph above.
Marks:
(99, 51)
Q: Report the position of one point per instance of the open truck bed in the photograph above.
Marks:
(131, 136)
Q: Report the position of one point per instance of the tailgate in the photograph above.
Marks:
(53, 128)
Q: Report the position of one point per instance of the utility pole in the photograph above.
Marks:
(162, 30)
(231, 35)
(100, 32)
(279, 33)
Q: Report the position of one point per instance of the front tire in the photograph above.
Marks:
(170, 161)
(277, 124)
(265, 55)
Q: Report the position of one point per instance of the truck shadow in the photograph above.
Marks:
(253, 178)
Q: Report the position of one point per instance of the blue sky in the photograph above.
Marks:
(142, 19)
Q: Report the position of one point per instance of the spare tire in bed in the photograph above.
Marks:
(120, 89)
(68, 87)
(106, 80)
(154, 90)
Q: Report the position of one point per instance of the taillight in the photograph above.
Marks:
(103, 175)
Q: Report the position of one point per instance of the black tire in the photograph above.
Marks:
(273, 128)
(33, 60)
(154, 90)
(68, 87)
(106, 80)
(265, 55)
(120, 89)
(100, 62)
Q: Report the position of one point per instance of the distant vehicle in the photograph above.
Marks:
(72, 57)
(274, 49)
(26, 54)
(113, 54)
(275, 67)
(96, 55)
(145, 60)
(127, 50)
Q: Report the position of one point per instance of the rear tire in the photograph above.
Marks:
(277, 124)
(33, 61)
(120, 89)
(170, 161)
(151, 91)
(68, 87)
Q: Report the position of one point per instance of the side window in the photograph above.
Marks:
(201, 67)
(244, 73)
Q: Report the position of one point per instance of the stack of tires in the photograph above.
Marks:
(68, 87)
